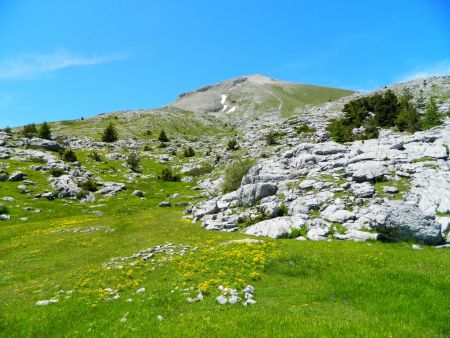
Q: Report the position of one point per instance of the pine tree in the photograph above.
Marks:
(432, 117)
(110, 134)
(29, 131)
(163, 137)
(45, 131)
(408, 118)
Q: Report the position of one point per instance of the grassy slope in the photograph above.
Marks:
(182, 123)
(302, 288)
(298, 96)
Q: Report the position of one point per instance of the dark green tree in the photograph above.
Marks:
(339, 130)
(432, 117)
(188, 152)
(408, 118)
(44, 131)
(134, 161)
(69, 155)
(29, 131)
(163, 137)
(110, 134)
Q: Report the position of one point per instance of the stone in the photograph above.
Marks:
(138, 193)
(363, 190)
(164, 204)
(276, 227)
(367, 170)
(318, 234)
(64, 186)
(111, 188)
(399, 221)
(390, 189)
(4, 217)
(16, 176)
(337, 213)
(221, 300)
(249, 194)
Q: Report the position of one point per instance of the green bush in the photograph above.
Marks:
(134, 161)
(304, 128)
(95, 156)
(232, 144)
(7, 130)
(44, 131)
(3, 209)
(82, 194)
(234, 173)
(200, 170)
(89, 185)
(168, 175)
(188, 152)
(374, 112)
(271, 138)
(29, 131)
(110, 134)
(69, 155)
(56, 172)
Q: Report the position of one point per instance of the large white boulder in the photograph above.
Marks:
(276, 227)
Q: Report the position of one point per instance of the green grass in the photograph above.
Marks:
(298, 96)
(310, 289)
(403, 185)
(146, 125)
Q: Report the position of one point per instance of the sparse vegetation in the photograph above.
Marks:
(69, 155)
(134, 162)
(304, 128)
(89, 185)
(234, 173)
(56, 172)
(232, 145)
(188, 152)
(168, 175)
(95, 156)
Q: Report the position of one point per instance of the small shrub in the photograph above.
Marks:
(3, 209)
(147, 148)
(95, 156)
(56, 172)
(188, 152)
(234, 173)
(69, 156)
(29, 131)
(232, 145)
(304, 128)
(82, 194)
(44, 131)
(89, 185)
(297, 232)
(7, 130)
(163, 137)
(168, 175)
(110, 133)
(200, 170)
(283, 210)
(134, 161)
(271, 138)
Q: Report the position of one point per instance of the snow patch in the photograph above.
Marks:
(232, 110)
(223, 98)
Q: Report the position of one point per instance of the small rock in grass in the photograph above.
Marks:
(390, 190)
(138, 193)
(249, 302)
(4, 217)
(221, 300)
(141, 290)
(233, 299)
(416, 247)
(46, 302)
(160, 318)
(164, 204)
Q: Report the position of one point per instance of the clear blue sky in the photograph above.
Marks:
(67, 59)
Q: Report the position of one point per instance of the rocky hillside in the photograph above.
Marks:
(301, 184)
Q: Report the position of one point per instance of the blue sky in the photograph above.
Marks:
(67, 59)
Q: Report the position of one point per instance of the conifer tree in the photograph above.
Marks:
(45, 131)
(110, 134)
(432, 117)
